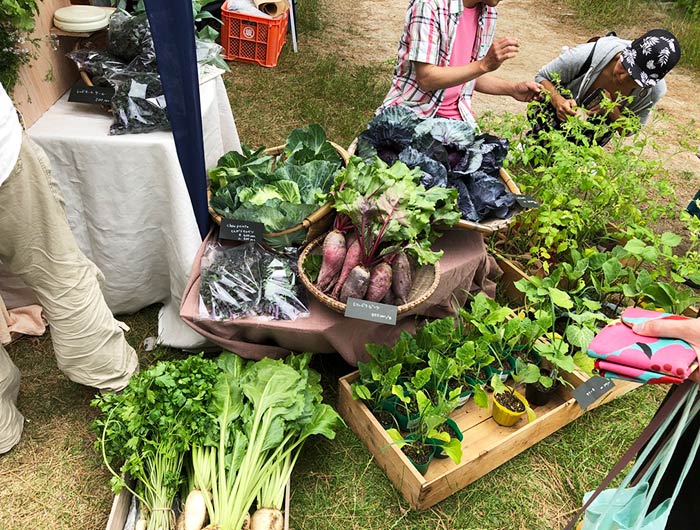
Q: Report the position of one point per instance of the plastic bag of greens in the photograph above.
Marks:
(138, 104)
(129, 36)
(246, 281)
(97, 64)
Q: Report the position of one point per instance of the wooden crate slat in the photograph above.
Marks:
(486, 444)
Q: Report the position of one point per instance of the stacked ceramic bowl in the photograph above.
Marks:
(82, 19)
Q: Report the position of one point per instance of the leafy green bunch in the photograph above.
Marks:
(263, 413)
(391, 211)
(281, 191)
(145, 431)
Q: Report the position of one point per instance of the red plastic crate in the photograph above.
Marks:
(253, 39)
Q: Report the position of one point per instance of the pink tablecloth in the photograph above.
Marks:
(465, 266)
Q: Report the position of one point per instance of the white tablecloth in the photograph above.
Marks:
(128, 205)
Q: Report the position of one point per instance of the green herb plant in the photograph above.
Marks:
(17, 21)
(145, 431)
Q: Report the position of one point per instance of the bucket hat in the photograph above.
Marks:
(650, 57)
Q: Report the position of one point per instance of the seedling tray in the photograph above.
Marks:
(486, 444)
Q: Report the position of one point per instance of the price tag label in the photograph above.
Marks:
(371, 311)
(81, 93)
(592, 390)
(526, 202)
(241, 230)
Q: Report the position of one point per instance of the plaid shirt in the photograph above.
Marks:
(428, 22)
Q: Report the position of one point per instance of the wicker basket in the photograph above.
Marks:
(425, 282)
(485, 227)
(315, 224)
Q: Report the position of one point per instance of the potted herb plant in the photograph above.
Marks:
(508, 404)
(419, 444)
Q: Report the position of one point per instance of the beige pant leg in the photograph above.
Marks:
(11, 421)
(36, 244)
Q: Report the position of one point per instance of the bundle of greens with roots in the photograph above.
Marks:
(263, 413)
(386, 221)
(147, 429)
(223, 433)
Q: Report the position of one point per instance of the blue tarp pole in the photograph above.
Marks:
(172, 27)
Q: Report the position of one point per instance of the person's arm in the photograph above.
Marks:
(564, 106)
(431, 77)
(685, 329)
(564, 68)
(495, 86)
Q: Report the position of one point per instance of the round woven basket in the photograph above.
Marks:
(316, 224)
(425, 282)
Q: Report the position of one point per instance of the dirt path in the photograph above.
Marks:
(363, 32)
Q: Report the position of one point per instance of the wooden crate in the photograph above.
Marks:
(486, 444)
(122, 502)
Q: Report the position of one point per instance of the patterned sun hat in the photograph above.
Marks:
(650, 57)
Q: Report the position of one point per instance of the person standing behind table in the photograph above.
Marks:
(37, 245)
(445, 53)
(620, 68)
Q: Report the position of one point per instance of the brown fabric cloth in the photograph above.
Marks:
(464, 267)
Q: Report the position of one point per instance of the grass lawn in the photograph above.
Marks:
(54, 480)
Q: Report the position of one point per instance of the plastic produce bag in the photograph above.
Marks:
(210, 53)
(138, 104)
(97, 64)
(129, 37)
(247, 280)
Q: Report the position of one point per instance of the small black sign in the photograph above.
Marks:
(241, 230)
(81, 93)
(371, 311)
(592, 390)
(526, 202)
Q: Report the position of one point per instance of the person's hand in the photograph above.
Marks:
(526, 91)
(564, 107)
(500, 51)
(687, 329)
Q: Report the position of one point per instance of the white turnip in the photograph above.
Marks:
(356, 284)
(333, 257)
(379, 282)
(267, 519)
(195, 511)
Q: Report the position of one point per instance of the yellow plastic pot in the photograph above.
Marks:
(506, 417)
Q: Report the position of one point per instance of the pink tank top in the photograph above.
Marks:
(461, 55)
